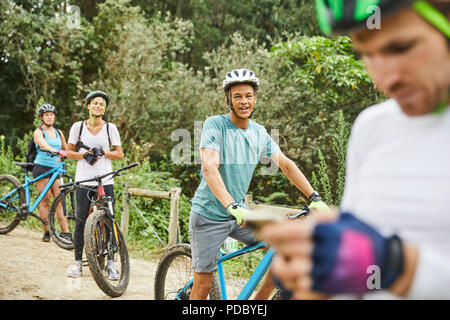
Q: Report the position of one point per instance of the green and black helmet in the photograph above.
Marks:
(94, 94)
(345, 16)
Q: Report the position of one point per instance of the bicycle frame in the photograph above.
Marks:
(102, 195)
(251, 284)
(55, 172)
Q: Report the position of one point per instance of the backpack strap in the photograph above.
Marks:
(37, 146)
(79, 135)
(81, 129)
(107, 130)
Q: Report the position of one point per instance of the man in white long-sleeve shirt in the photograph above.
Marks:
(398, 168)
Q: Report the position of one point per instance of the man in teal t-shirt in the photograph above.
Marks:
(231, 147)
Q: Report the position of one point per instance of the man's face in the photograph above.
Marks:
(97, 106)
(409, 60)
(243, 98)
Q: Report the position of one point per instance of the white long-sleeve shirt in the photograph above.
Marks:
(398, 181)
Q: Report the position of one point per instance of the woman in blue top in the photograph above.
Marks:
(48, 138)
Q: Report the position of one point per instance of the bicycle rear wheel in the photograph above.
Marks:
(174, 272)
(100, 246)
(10, 206)
(64, 202)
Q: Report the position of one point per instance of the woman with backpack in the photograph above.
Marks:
(104, 140)
(47, 137)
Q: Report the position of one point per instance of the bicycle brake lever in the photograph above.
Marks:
(298, 214)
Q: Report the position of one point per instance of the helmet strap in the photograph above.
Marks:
(441, 107)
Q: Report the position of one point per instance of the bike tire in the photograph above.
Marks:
(9, 219)
(170, 256)
(69, 207)
(96, 259)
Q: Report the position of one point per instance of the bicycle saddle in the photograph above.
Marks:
(25, 165)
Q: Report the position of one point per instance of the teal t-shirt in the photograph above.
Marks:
(240, 151)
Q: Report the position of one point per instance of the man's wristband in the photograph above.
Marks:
(234, 205)
(394, 262)
(315, 196)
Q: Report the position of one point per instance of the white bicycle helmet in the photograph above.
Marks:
(238, 76)
(46, 108)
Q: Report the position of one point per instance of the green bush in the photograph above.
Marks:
(328, 179)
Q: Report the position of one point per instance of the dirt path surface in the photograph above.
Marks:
(32, 269)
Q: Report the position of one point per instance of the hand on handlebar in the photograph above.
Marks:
(318, 204)
(238, 212)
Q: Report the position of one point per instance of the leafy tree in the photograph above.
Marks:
(41, 57)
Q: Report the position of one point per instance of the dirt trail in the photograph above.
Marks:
(32, 269)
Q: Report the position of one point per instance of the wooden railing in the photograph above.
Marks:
(173, 195)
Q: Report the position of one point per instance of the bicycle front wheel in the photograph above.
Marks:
(62, 215)
(174, 274)
(10, 202)
(103, 249)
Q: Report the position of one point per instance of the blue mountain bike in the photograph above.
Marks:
(15, 198)
(174, 274)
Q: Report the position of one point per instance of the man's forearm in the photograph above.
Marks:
(215, 182)
(297, 178)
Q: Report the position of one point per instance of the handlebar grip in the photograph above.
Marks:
(51, 153)
(129, 166)
(80, 144)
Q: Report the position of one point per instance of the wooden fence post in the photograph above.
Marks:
(126, 212)
(173, 195)
(248, 199)
(174, 228)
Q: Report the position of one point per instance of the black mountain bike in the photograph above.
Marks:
(103, 240)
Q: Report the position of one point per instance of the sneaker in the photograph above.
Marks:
(46, 236)
(75, 270)
(66, 236)
(113, 274)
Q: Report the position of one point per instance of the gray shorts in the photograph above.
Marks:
(207, 236)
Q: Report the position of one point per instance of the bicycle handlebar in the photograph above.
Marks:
(80, 144)
(99, 178)
(257, 219)
(53, 154)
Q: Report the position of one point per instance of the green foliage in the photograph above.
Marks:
(6, 158)
(275, 198)
(215, 21)
(332, 188)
